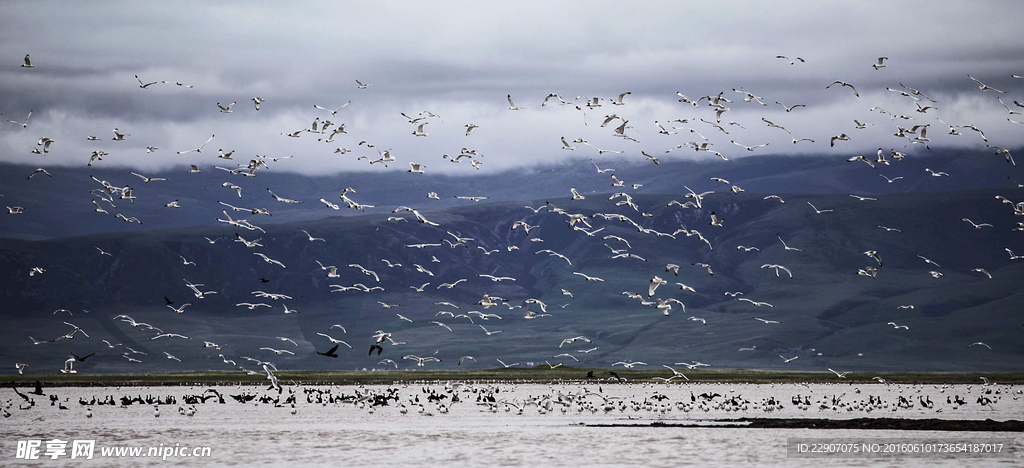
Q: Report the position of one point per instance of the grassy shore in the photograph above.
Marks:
(535, 375)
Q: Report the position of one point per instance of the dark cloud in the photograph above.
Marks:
(460, 59)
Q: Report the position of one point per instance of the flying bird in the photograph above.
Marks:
(23, 124)
(983, 86)
(335, 111)
(791, 61)
(511, 105)
(843, 83)
(200, 148)
(975, 225)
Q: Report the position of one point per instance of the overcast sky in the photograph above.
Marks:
(460, 59)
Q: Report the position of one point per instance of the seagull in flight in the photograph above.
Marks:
(758, 304)
(573, 340)
(145, 85)
(704, 266)
(335, 111)
(587, 277)
(23, 124)
(251, 306)
(180, 309)
(789, 108)
(278, 351)
(863, 159)
(506, 366)
(146, 179)
(419, 360)
(841, 375)
(419, 130)
(926, 260)
(748, 148)
(38, 171)
(199, 149)
(488, 332)
(330, 205)
(816, 211)
(983, 86)
(983, 271)
(791, 62)
(629, 365)
(843, 83)
(975, 225)
(511, 105)
(784, 242)
(675, 373)
(286, 201)
(311, 238)
(270, 260)
(334, 340)
(653, 285)
(777, 268)
(271, 377)
(841, 137)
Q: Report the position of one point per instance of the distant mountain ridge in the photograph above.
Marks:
(825, 308)
(60, 206)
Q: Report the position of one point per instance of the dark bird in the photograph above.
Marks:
(377, 347)
(82, 359)
(169, 302)
(264, 280)
(21, 394)
(331, 352)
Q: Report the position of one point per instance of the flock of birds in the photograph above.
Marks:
(110, 197)
(633, 400)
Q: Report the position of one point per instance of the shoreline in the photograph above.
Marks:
(533, 375)
(898, 424)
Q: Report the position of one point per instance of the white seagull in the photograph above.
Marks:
(200, 148)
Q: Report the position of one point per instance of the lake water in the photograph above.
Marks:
(470, 434)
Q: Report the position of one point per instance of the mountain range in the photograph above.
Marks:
(827, 314)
